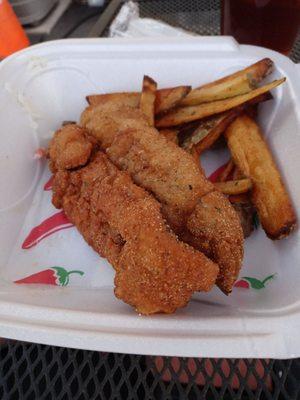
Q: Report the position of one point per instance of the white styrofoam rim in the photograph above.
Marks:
(201, 344)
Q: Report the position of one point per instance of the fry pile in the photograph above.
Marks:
(196, 119)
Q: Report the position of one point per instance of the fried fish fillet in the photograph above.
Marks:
(160, 166)
(69, 148)
(155, 272)
(154, 163)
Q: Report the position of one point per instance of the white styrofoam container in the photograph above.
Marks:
(47, 83)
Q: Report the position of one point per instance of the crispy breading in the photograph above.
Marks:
(174, 178)
(155, 163)
(211, 226)
(69, 148)
(155, 272)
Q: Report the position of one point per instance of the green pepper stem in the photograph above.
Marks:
(268, 278)
(75, 272)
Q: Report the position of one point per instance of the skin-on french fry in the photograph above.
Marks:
(242, 198)
(236, 84)
(187, 114)
(214, 134)
(165, 100)
(122, 98)
(226, 172)
(148, 99)
(252, 156)
(234, 187)
(170, 134)
(205, 132)
(237, 174)
(246, 211)
(168, 98)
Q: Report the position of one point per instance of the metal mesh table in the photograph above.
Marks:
(33, 371)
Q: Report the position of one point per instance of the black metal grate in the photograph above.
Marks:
(33, 371)
(198, 16)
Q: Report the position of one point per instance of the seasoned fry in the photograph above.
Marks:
(237, 174)
(206, 132)
(236, 84)
(186, 114)
(242, 198)
(165, 99)
(168, 98)
(234, 187)
(123, 98)
(246, 212)
(209, 130)
(170, 134)
(251, 154)
(223, 177)
(214, 134)
(148, 99)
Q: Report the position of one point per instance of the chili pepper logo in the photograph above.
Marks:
(49, 226)
(214, 176)
(57, 276)
(48, 185)
(247, 282)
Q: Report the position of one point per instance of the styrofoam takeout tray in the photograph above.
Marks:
(46, 84)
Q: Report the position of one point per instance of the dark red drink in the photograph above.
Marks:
(268, 23)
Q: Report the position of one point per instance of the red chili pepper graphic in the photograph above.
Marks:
(57, 276)
(242, 284)
(49, 226)
(48, 185)
(214, 176)
(248, 282)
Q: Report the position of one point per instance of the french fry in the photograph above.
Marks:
(147, 99)
(237, 174)
(236, 84)
(246, 212)
(242, 198)
(252, 156)
(168, 98)
(226, 172)
(234, 187)
(165, 99)
(170, 134)
(123, 98)
(205, 132)
(193, 133)
(186, 114)
(214, 134)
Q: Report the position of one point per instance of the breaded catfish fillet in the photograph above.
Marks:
(69, 149)
(122, 222)
(198, 213)
(155, 164)
(214, 218)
